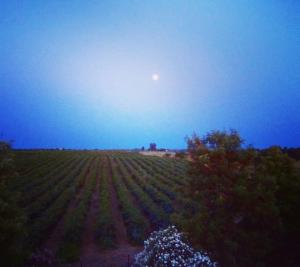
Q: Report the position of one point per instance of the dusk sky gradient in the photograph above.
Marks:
(78, 74)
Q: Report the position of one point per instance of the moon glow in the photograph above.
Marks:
(155, 77)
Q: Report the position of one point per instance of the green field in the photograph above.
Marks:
(68, 195)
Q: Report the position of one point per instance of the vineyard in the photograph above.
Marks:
(89, 205)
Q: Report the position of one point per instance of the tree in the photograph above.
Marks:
(11, 217)
(7, 167)
(281, 166)
(238, 219)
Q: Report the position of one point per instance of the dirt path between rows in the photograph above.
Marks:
(89, 247)
(52, 243)
(121, 234)
(92, 255)
(150, 227)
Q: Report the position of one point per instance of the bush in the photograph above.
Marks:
(12, 218)
(167, 248)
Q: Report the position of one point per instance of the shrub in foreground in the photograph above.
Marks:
(166, 248)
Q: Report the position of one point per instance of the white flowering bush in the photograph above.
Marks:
(166, 248)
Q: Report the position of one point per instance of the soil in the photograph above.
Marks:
(89, 247)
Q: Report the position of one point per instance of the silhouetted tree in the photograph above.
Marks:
(11, 217)
(238, 220)
(282, 167)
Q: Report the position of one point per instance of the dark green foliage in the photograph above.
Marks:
(11, 217)
(155, 213)
(282, 167)
(69, 250)
(242, 204)
(249, 202)
(238, 219)
(7, 166)
(53, 181)
(55, 202)
(105, 229)
(136, 224)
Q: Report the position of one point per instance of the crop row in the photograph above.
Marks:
(178, 165)
(154, 168)
(163, 184)
(43, 174)
(137, 225)
(56, 186)
(22, 182)
(75, 220)
(154, 212)
(146, 189)
(36, 190)
(143, 180)
(29, 161)
(181, 200)
(59, 197)
(105, 229)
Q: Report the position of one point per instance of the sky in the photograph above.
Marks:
(79, 74)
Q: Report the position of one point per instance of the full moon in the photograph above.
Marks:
(155, 77)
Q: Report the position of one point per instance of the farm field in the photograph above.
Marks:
(96, 206)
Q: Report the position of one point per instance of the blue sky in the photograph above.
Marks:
(77, 74)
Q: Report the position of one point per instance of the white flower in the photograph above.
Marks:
(166, 248)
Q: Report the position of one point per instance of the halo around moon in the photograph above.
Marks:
(155, 77)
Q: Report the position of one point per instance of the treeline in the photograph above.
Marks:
(249, 202)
